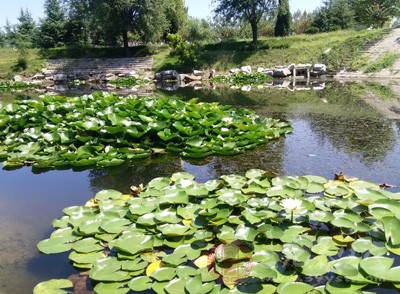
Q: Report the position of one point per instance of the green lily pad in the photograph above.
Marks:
(53, 287)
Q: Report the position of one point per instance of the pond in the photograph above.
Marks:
(336, 130)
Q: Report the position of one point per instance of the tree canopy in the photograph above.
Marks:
(251, 11)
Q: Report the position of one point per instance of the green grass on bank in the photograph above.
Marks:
(8, 63)
(345, 48)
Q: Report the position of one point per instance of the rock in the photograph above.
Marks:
(319, 67)
(269, 72)
(198, 73)
(245, 88)
(18, 78)
(121, 75)
(304, 65)
(234, 71)
(60, 77)
(38, 76)
(260, 70)
(167, 75)
(292, 67)
(246, 69)
(282, 72)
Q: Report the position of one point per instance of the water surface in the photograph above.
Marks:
(335, 130)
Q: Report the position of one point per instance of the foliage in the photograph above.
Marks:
(334, 15)
(128, 82)
(106, 130)
(283, 20)
(302, 22)
(188, 54)
(243, 79)
(256, 233)
(251, 11)
(386, 61)
(376, 13)
(52, 27)
(16, 85)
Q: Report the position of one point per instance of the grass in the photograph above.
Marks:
(387, 61)
(8, 61)
(345, 50)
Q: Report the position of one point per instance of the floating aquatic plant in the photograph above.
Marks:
(106, 130)
(243, 79)
(237, 234)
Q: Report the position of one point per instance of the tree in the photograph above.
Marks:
(335, 15)
(302, 21)
(376, 13)
(78, 22)
(52, 27)
(251, 11)
(10, 35)
(26, 32)
(283, 20)
(2, 39)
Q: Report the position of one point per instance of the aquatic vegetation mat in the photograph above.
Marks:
(243, 79)
(106, 130)
(11, 85)
(257, 233)
(128, 82)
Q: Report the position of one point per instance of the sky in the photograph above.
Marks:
(197, 8)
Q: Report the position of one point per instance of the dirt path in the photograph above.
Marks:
(390, 44)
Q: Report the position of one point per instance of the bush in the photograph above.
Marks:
(312, 30)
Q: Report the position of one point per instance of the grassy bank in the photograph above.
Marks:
(343, 47)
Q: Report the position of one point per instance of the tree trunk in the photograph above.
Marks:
(254, 30)
(126, 43)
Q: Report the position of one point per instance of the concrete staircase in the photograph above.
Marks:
(86, 69)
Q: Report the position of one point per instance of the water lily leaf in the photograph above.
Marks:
(315, 188)
(194, 285)
(231, 197)
(86, 258)
(391, 227)
(176, 286)
(53, 287)
(155, 265)
(173, 229)
(281, 191)
(108, 194)
(366, 244)
(291, 233)
(213, 185)
(340, 287)
(294, 288)
(235, 181)
(197, 190)
(55, 245)
(181, 175)
(159, 287)
(132, 243)
(255, 173)
(321, 216)
(318, 266)
(163, 274)
(175, 197)
(175, 259)
(246, 233)
(117, 288)
(356, 185)
(316, 179)
(295, 252)
(108, 270)
(204, 261)
(342, 222)
(262, 271)
(115, 226)
(168, 216)
(380, 268)
(325, 246)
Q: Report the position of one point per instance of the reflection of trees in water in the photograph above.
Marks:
(368, 139)
(122, 177)
(268, 157)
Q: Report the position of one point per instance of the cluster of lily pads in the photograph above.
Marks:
(257, 233)
(243, 79)
(106, 130)
(10, 85)
(128, 82)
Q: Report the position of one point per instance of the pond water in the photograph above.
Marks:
(335, 130)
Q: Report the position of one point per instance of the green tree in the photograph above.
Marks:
(2, 39)
(376, 13)
(26, 32)
(251, 11)
(302, 21)
(52, 27)
(118, 19)
(78, 22)
(283, 20)
(335, 15)
(176, 15)
(10, 35)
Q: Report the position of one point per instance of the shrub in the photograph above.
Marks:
(312, 30)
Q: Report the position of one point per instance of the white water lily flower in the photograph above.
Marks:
(291, 204)
(227, 120)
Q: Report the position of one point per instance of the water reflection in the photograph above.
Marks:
(334, 131)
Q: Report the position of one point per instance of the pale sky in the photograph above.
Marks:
(197, 8)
